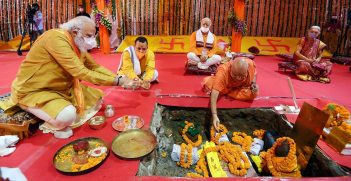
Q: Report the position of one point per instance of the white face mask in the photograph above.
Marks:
(89, 43)
(205, 30)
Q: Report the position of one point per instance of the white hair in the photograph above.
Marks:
(206, 19)
(77, 23)
(316, 27)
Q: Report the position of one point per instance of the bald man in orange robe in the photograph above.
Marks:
(236, 79)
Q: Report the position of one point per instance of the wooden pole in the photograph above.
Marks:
(293, 93)
(239, 9)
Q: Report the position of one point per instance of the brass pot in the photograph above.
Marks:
(97, 122)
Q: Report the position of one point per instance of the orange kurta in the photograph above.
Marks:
(226, 85)
(198, 50)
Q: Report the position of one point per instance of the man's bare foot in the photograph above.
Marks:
(202, 66)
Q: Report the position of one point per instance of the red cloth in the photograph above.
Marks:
(34, 155)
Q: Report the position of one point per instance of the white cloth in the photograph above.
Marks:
(7, 144)
(200, 37)
(154, 77)
(134, 58)
(215, 59)
(175, 155)
(223, 138)
(13, 174)
(256, 146)
(48, 128)
(65, 117)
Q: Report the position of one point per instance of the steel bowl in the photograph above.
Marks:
(97, 122)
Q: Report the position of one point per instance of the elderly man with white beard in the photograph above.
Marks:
(203, 46)
(48, 81)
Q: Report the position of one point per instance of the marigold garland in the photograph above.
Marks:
(242, 139)
(194, 175)
(263, 160)
(259, 133)
(215, 138)
(189, 160)
(185, 137)
(282, 166)
(345, 127)
(201, 166)
(238, 163)
(337, 113)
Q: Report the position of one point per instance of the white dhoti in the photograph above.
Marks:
(214, 59)
(65, 117)
(155, 76)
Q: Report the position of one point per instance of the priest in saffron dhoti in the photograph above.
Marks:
(308, 58)
(203, 46)
(138, 63)
(48, 81)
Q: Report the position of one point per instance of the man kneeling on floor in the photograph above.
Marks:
(236, 78)
(138, 63)
(203, 46)
(48, 81)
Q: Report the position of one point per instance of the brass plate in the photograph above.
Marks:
(134, 143)
(63, 157)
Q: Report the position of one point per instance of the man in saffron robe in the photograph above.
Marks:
(236, 78)
(48, 81)
(138, 63)
(308, 58)
(203, 47)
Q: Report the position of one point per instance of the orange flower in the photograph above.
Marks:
(345, 127)
(215, 138)
(238, 163)
(337, 114)
(189, 160)
(259, 133)
(282, 166)
(185, 137)
(242, 139)
(194, 175)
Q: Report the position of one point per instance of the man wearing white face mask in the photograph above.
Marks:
(308, 58)
(203, 46)
(138, 63)
(48, 81)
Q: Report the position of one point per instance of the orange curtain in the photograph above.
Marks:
(103, 31)
(239, 9)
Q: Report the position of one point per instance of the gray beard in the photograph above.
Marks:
(79, 41)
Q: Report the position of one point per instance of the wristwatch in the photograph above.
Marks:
(119, 77)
